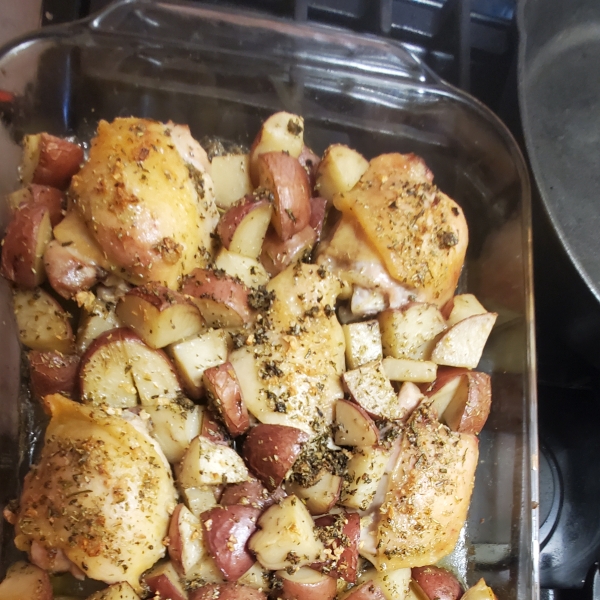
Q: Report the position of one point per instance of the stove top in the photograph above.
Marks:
(473, 44)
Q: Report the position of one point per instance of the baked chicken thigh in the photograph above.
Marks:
(100, 495)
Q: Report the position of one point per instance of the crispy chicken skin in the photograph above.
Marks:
(406, 234)
(146, 201)
(101, 494)
(428, 495)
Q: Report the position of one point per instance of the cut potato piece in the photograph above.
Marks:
(305, 584)
(464, 402)
(248, 270)
(271, 450)
(371, 388)
(411, 332)
(186, 544)
(174, 426)
(285, 178)
(339, 171)
(462, 345)
(320, 497)
(243, 227)
(25, 582)
(159, 315)
(461, 307)
(163, 581)
(193, 356)
(27, 236)
(42, 322)
(225, 394)
(231, 178)
(199, 499)
(393, 584)
(101, 318)
(221, 298)
(276, 255)
(53, 373)
(286, 537)
(72, 232)
(480, 591)
(407, 369)
(353, 426)
(281, 132)
(41, 195)
(49, 160)
(435, 582)
(409, 398)
(118, 369)
(207, 463)
(363, 343)
(364, 472)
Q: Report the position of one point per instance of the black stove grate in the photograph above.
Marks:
(470, 43)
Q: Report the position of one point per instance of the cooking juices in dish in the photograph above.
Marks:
(271, 380)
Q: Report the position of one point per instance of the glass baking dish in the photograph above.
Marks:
(223, 73)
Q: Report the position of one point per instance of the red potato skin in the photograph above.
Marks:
(53, 373)
(271, 450)
(119, 334)
(444, 376)
(325, 589)
(160, 296)
(234, 216)
(206, 283)
(310, 163)
(67, 272)
(163, 587)
(251, 493)
(437, 583)
(318, 210)
(227, 530)
(347, 564)
(248, 493)
(276, 255)
(174, 546)
(212, 429)
(366, 591)
(225, 393)
(20, 244)
(53, 199)
(226, 591)
(284, 176)
(59, 161)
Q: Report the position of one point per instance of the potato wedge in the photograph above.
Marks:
(363, 343)
(276, 255)
(42, 322)
(281, 132)
(462, 345)
(24, 580)
(221, 299)
(53, 373)
(243, 227)
(42, 195)
(207, 463)
(27, 236)
(159, 315)
(271, 450)
(285, 178)
(118, 369)
(339, 171)
(193, 356)
(224, 392)
(305, 584)
(286, 536)
(353, 426)
(231, 178)
(49, 160)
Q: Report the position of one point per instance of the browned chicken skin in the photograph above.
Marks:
(399, 234)
(100, 495)
(146, 201)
